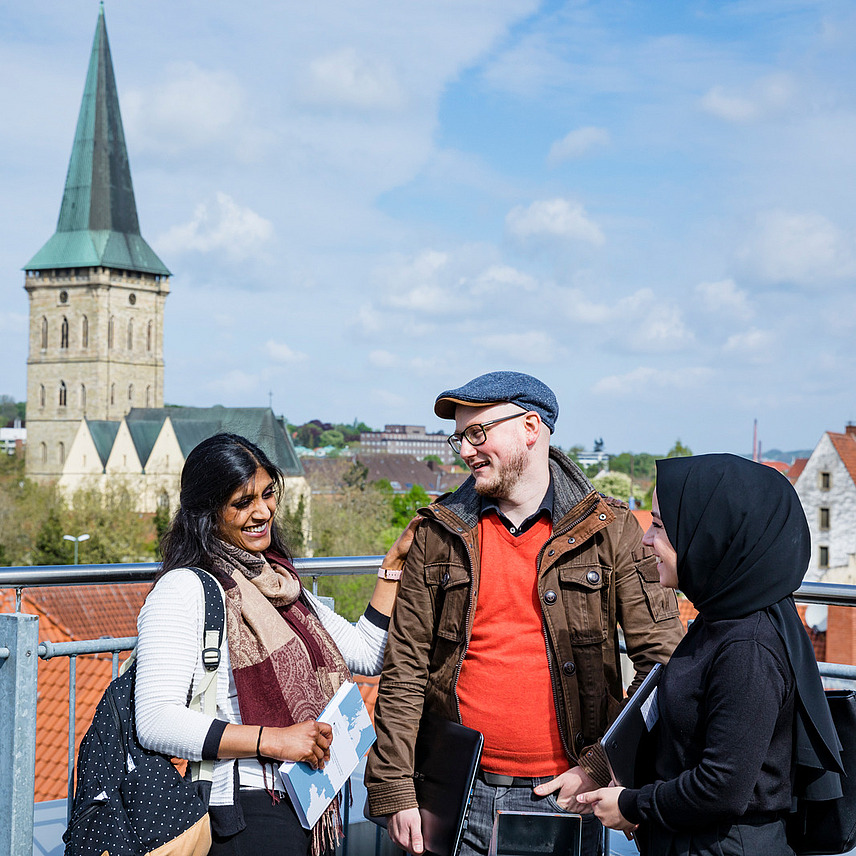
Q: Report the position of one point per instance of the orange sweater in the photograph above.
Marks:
(504, 687)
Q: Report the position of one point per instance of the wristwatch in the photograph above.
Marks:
(393, 574)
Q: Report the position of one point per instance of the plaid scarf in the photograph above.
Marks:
(285, 665)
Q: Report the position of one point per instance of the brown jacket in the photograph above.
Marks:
(594, 574)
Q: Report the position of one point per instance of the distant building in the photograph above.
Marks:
(327, 476)
(13, 440)
(406, 440)
(147, 448)
(97, 290)
(826, 486)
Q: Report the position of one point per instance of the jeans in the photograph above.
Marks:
(487, 800)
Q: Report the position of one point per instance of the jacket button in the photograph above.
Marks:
(591, 576)
(601, 517)
(446, 578)
(572, 540)
(580, 739)
(549, 596)
(569, 668)
(551, 553)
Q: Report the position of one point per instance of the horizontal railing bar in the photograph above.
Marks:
(36, 576)
(105, 645)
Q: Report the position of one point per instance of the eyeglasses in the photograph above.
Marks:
(476, 434)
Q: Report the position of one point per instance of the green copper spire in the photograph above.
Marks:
(98, 225)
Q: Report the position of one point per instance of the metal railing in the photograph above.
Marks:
(20, 651)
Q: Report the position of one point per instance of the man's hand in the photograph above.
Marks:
(405, 830)
(604, 802)
(569, 784)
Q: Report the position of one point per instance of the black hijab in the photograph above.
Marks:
(743, 545)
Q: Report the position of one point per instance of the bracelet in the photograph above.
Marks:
(393, 574)
(259, 757)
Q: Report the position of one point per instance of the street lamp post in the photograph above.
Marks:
(76, 540)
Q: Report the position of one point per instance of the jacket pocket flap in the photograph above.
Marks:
(446, 575)
(589, 577)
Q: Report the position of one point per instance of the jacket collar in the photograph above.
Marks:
(570, 487)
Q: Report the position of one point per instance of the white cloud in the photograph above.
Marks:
(195, 108)
(221, 225)
(764, 97)
(645, 378)
(347, 79)
(662, 328)
(279, 352)
(577, 143)
(724, 297)
(804, 249)
(234, 382)
(752, 343)
(560, 219)
(381, 359)
(533, 346)
(498, 278)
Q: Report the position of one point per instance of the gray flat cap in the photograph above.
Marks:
(498, 388)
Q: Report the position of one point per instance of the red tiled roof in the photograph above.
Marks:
(93, 611)
(845, 445)
(643, 517)
(796, 469)
(781, 466)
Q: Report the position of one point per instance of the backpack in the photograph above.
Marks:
(129, 800)
(830, 826)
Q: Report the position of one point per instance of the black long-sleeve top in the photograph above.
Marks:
(723, 741)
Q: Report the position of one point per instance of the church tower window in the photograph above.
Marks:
(61, 452)
(63, 393)
(83, 397)
(41, 395)
(44, 450)
(148, 396)
(130, 393)
(63, 333)
(112, 393)
(131, 335)
(84, 332)
(111, 324)
(44, 333)
(149, 337)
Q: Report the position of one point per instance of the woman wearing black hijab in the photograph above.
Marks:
(743, 725)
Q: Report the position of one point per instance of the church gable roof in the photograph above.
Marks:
(144, 433)
(192, 425)
(103, 435)
(98, 224)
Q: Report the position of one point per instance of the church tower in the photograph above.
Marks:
(97, 290)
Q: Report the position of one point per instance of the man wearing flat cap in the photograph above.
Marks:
(507, 619)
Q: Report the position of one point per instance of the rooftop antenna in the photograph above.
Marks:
(755, 442)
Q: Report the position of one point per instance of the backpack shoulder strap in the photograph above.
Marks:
(212, 643)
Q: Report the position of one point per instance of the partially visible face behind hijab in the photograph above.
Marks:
(739, 531)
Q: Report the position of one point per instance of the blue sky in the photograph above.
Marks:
(647, 205)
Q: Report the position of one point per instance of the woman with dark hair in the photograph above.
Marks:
(283, 657)
(743, 725)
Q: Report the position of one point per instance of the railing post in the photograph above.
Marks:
(18, 690)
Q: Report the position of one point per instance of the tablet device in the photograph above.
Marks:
(517, 833)
(637, 717)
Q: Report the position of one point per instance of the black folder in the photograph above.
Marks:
(622, 738)
(446, 763)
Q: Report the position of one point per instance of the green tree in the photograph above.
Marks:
(293, 520)
(404, 505)
(432, 459)
(332, 437)
(8, 410)
(617, 485)
(50, 547)
(679, 450)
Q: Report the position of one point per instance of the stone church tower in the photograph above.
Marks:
(97, 290)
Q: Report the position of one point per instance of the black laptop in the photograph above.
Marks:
(622, 738)
(446, 763)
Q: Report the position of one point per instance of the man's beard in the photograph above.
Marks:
(507, 476)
